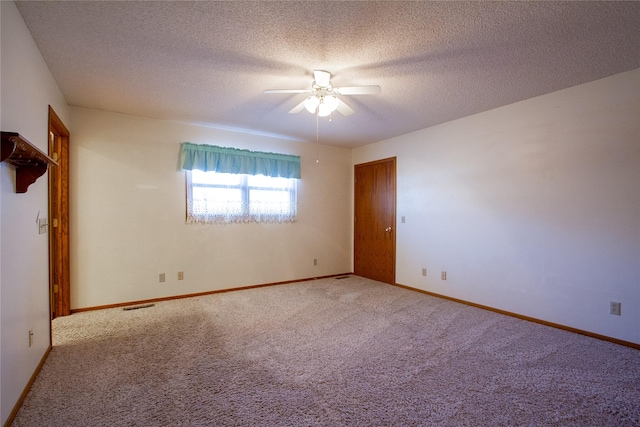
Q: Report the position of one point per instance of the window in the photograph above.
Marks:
(226, 184)
(214, 197)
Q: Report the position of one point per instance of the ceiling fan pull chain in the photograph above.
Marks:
(317, 159)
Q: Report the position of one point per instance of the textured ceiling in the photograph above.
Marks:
(210, 62)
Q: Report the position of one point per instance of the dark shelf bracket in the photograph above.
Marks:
(29, 161)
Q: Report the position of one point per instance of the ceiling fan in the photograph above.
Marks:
(324, 97)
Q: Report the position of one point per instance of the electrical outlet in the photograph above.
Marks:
(403, 219)
(443, 275)
(315, 261)
(615, 308)
(424, 271)
(180, 275)
(162, 278)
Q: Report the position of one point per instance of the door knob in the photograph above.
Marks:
(388, 229)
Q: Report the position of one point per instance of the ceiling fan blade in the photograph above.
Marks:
(358, 90)
(322, 78)
(287, 91)
(343, 108)
(297, 108)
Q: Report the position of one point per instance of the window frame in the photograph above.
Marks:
(245, 188)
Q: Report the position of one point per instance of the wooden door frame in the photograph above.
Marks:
(393, 233)
(59, 274)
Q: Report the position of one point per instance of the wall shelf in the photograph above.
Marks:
(29, 161)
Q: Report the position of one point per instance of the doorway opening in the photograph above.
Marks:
(59, 274)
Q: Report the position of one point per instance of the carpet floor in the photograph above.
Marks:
(327, 352)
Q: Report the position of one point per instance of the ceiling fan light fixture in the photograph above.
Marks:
(328, 104)
(311, 104)
(323, 96)
(323, 111)
(331, 102)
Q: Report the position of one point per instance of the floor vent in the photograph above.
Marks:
(136, 307)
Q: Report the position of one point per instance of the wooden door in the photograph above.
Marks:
(59, 275)
(374, 220)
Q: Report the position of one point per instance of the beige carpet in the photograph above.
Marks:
(327, 352)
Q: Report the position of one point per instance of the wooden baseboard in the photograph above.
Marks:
(152, 300)
(527, 318)
(16, 407)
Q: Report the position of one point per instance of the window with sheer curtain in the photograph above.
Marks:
(230, 185)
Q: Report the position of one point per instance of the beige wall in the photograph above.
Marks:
(128, 214)
(27, 90)
(532, 208)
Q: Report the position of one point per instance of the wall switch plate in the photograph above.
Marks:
(615, 308)
(30, 337)
(42, 225)
(162, 278)
(424, 271)
(443, 275)
(315, 261)
(402, 219)
(180, 275)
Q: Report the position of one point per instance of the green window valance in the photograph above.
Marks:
(211, 158)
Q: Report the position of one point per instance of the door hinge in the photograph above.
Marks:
(54, 156)
(55, 289)
(54, 222)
